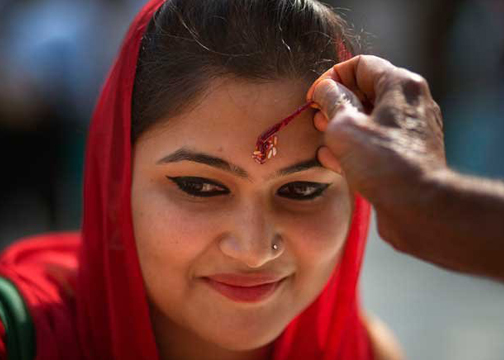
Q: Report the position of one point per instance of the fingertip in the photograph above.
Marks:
(329, 74)
(326, 95)
(320, 121)
(309, 94)
(311, 90)
(328, 160)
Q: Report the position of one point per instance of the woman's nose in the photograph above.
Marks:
(252, 238)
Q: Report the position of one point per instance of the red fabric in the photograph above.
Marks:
(43, 269)
(85, 292)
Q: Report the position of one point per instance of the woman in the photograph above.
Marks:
(189, 249)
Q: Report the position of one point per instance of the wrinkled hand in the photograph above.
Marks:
(387, 151)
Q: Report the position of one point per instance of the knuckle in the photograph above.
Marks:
(409, 75)
(382, 69)
(436, 108)
(438, 116)
(414, 87)
(412, 80)
(375, 60)
(386, 115)
(415, 84)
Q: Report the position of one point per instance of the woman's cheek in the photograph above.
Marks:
(171, 231)
(321, 234)
(168, 238)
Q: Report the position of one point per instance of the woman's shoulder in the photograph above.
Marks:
(34, 269)
(43, 262)
(40, 245)
(17, 335)
(384, 343)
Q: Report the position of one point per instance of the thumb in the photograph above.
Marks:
(352, 148)
(328, 160)
(347, 133)
(331, 96)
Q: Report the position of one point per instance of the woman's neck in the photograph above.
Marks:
(177, 343)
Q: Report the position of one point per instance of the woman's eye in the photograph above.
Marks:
(200, 187)
(302, 190)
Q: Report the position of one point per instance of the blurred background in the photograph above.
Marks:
(54, 56)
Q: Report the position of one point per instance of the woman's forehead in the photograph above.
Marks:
(232, 114)
(233, 105)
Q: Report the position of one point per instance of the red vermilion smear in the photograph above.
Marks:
(266, 143)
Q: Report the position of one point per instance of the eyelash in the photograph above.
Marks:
(194, 186)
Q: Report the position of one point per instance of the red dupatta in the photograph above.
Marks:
(86, 293)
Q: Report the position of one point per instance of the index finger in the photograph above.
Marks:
(360, 74)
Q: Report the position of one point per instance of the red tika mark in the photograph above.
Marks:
(266, 145)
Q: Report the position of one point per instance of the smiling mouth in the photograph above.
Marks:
(246, 294)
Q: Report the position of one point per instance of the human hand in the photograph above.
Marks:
(389, 150)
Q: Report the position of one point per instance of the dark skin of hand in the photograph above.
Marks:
(393, 155)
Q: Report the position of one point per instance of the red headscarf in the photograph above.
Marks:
(85, 291)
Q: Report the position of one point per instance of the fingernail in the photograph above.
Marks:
(327, 95)
(347, 97)
(332, 97)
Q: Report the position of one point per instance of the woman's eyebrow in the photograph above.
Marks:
(184, 154)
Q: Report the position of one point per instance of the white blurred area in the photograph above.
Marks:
(458, 46)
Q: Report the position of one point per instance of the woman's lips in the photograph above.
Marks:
(243, 289)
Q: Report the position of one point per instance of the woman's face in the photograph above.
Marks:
(202, 207)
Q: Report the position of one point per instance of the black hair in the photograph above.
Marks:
(190, 42)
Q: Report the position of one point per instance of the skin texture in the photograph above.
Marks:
(393, 154)
(181, 238)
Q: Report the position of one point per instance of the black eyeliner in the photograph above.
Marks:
(182, 182)
(320, 188)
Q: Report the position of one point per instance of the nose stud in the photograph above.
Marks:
(274, 247)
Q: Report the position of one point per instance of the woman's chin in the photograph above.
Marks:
(243, 340)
